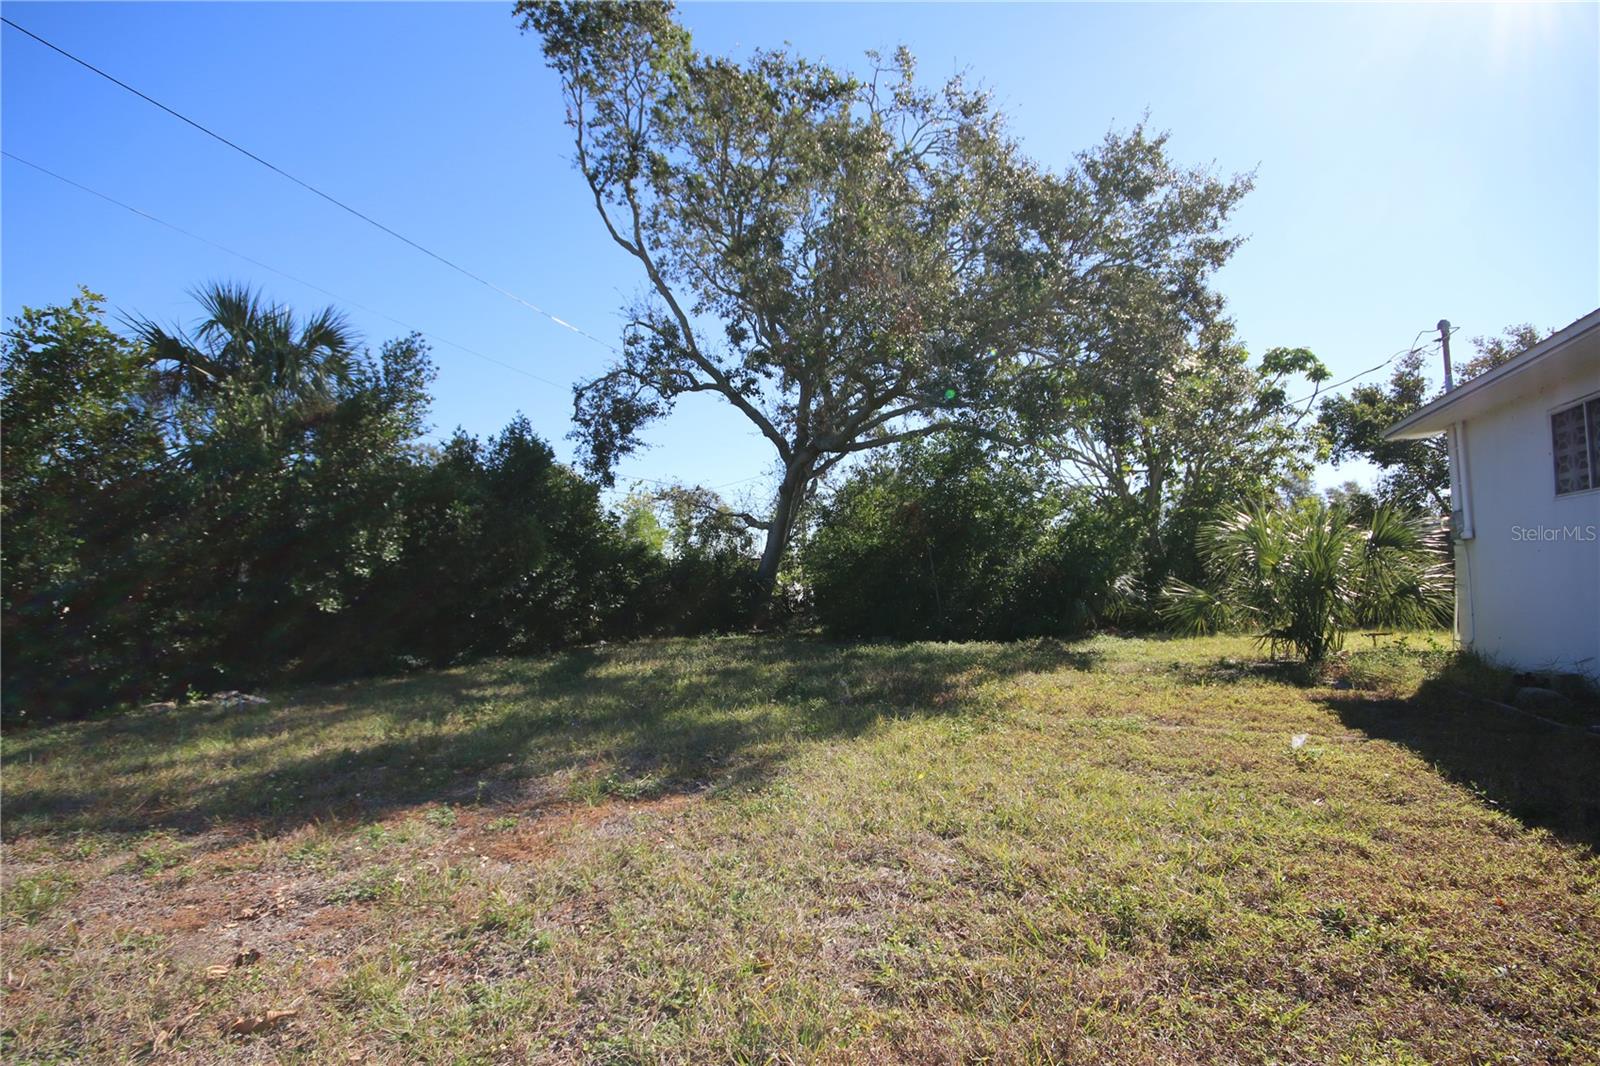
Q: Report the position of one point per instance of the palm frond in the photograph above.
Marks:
(1305, 575)
(1194, 610)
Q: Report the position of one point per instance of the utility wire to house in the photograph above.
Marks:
(501, 363)
(713, 488)
(1414, 348)
(457, 267)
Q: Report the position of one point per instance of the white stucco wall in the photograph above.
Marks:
(1528, 583)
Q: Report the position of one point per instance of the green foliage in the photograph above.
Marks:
(27, 899)
(247, 344)
(256, 503)
(941, 539)
(698, 574)
(1357, 502)
(641, 525)
(1165, 423)
(1416, 473)
(1493, 351)
(704, 577)
(1303, 576)
(83, 461)
(297, 505)
(852, 263)
(1398, 668)
(504, 550)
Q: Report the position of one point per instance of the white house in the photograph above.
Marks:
(1525, 489)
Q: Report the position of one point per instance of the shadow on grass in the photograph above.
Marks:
(1234, 671)
(640, 720)
(1542, 774)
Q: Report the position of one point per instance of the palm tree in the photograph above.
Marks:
(1304, 575)
(245, 343)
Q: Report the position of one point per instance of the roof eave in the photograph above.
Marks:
(1409, 427)
(1435, 417)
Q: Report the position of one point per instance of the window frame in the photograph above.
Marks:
(1590, 406)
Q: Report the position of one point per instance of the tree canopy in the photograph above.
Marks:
(1164, 427)
(256, 500)
(246, 344)
(852, 262)
(943, 538)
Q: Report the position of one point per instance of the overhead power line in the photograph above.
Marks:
(458, 268)
(1370, 370)
(146, 215)
(281, 273)
(713, 488)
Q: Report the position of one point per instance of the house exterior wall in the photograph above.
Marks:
(1528, 582)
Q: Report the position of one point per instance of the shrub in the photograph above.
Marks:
(167, 529)
(697, 573)
(1304, 575)
(940, 539)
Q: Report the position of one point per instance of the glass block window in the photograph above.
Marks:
(1575, 434)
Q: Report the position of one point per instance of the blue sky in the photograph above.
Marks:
(1412, 163)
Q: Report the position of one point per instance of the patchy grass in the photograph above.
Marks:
(1399, 667)
(770, 851)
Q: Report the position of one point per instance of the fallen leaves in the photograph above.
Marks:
(281, 903)
(237, 1025)
(245, 1024)
(242, 957)
(170, 1032)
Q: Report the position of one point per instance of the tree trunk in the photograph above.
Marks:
(1153, 544)
(780, 528)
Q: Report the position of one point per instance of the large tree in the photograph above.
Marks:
(1164, 421)
(848, 263)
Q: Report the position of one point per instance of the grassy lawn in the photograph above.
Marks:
(773, 851)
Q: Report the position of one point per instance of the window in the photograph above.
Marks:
(1575, 433)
